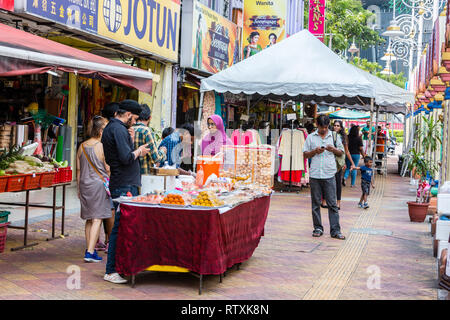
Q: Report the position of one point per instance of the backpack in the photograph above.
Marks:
(340, 161)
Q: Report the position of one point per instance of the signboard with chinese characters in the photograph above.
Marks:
(317, 18)
(213, 43)
(149, 25)
(7, 5)
(264, 25)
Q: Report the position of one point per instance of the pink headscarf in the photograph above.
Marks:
(212, 143)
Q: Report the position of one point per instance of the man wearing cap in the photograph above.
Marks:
(123, 160)
(143, 135)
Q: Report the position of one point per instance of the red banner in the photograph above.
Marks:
(7, 5)
(317, 18)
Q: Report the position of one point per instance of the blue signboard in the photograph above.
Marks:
(78, 14)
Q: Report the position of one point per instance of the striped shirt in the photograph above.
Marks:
(323, 166)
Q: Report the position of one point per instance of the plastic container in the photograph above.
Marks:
(443, 203)
(442, 229)
(15, 183)
(4, 216)
(47, 179)
(209, 166)
(3, 231)
(32, 181)
(65, 175)
(3, 183)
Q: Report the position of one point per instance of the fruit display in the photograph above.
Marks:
(207, 199)
(176, 199)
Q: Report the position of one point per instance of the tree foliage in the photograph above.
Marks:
(347, 19)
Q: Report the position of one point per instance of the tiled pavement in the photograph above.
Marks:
(288, 263)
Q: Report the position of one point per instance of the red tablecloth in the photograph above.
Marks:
(203, 241)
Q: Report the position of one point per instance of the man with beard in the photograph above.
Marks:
(125, 169)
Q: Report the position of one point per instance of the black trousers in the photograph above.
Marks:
(338, 177)
(325, 188)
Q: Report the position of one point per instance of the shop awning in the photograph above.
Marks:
(23, 53)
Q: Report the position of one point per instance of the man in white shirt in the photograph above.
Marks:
(322, 147)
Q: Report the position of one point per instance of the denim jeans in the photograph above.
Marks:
(355, 158)
(115, 193)
(325, 188)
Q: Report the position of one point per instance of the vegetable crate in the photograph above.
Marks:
(4, 216)
(32, 181)
(15, 183)
(3, 183)
(47, 179)
(63, 175)
(3, 230)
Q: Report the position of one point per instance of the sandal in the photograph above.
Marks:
(324, 206)
(317, 233)
(339, 236)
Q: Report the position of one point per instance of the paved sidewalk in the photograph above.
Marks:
(385, 256)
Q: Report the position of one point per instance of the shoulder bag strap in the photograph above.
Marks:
(92, 165)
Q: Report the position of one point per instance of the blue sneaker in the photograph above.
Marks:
(92, 257)
(360, 205)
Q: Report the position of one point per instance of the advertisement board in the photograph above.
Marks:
(215, 40)
(317, 18)
(264, 25)
(150, 25)
(7, 5)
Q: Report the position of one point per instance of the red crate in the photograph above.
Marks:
(65, 175)
(3, 230)
(15, 183)
(3, 183)
(56, 179)
(47, 179)
(32, 181)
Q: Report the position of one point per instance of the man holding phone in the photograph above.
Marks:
(123, 160)
(322, 148)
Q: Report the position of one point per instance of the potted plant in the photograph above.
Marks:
(424, 168)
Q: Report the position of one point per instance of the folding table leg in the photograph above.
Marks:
(201, 285)
(133, 281)
(220, 278)
(63, 214)
(25, 228)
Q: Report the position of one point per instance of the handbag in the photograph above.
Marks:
(340, 160)
(105, 181)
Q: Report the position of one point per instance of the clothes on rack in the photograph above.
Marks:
(249, 137)
(297, 174)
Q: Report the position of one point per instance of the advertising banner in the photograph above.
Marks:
(317, 18)
(215, 40)
(150, 25)
(7, 5)
(264, 25)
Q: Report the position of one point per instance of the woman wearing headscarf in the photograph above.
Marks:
(215, 139)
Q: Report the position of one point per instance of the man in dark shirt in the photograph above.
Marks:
(125, 177)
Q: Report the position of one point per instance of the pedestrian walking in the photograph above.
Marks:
(91, 175)
(366, 181)
(381, 142)
(338, 127)
(123, 160)
(320, 147)
(356, 150)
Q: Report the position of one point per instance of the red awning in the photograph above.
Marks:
(23, 53)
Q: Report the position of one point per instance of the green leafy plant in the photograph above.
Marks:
(430, 134)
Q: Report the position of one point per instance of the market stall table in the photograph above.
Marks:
(204, 241)
(54, 207)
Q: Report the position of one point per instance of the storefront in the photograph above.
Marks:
(118, 30)
(210, 43)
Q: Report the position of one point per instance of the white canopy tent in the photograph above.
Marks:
(300, 68)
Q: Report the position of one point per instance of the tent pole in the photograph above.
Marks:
(248, 106)
(281, 117)
(197, 143)
(369, 148)
(374, 152)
